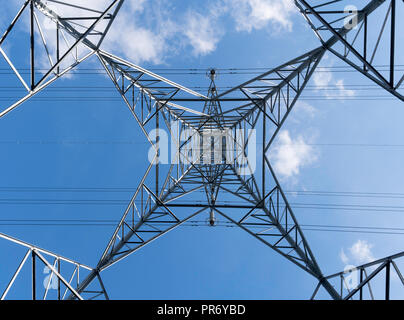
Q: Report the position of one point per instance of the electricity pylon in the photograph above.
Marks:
(211, 171)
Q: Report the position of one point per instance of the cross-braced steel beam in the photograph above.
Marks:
(61, 39)
(372, 45)
(63, 274)
(365, 281)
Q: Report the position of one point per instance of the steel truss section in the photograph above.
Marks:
(155, 207)
(273, 93)
(364, 48)
(65, 272)
(66, 41)
(359, 283)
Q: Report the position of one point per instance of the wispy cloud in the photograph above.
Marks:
(302, 111)
(129, 38)
(328, 86)
(290, 155)
(202, 32)
(359, 253)
(132, 39)
(152, 30)
(258, 14)
(343, 92)
(344, 258)
(322, 78)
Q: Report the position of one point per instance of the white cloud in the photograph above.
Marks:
(322, 78)
(141, 32)
(344, 257)
(151, 30)
(359, 253)
(342, 91)
(258, 14)
(302, 110)
(199, 27)
(202, 32)
(331, 88)
(126, 36)
(327, 85)
(290, 155)
(136, 43)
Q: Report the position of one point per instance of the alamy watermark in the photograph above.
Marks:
(51, 280)
(351, 277)
(205, 146)
(351, 20)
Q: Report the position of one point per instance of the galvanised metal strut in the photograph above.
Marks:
(372, 46)
(69, 37)
(220, 181)
(365, 281)
(64, 274)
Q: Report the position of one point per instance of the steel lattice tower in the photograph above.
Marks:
(222, 178)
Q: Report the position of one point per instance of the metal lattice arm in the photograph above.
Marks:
(65, 272)
(67, 35)
(372, 43)
(275, 92)
(147, 217)
(357, 282)
(146, 93)
(272, 221)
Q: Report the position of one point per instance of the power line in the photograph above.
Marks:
(135, 142)
(112, 89)
(198, 223)
(111, 202)
(132, 188)
(114, 99)
(155, 69)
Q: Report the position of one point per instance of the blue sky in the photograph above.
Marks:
(79, 134)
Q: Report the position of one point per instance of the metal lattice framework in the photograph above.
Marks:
(64, 274)
(244, 193)
(371, 44)
(367, 274)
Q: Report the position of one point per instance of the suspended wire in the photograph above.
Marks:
(194, 223)
(146, 143)
(357, 87)
(115, 99)
(120, 202)
(217, 69)
(344, 194)
(203, 71)
(181, 71)
(197, 223)
(131, 189)
(108, 99)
